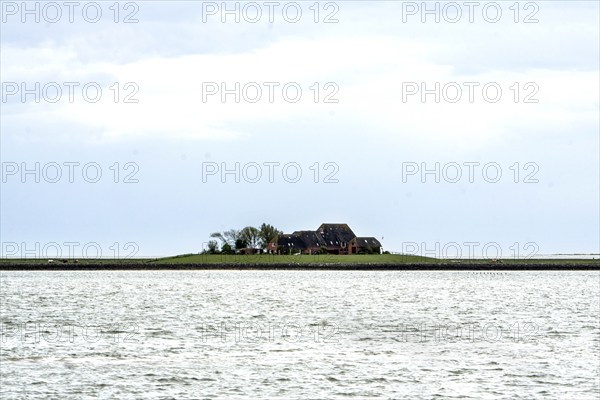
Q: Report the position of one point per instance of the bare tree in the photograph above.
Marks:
(219, 235)
(250, 235)
(232, 236)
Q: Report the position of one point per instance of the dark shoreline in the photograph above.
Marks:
(306, 267)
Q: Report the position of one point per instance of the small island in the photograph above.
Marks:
(332, 246)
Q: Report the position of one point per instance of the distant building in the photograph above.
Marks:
(328, 238)
(363, 244)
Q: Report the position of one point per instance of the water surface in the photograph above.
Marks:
(299, 334)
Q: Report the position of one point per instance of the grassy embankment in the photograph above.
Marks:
(387, 259)
(327, 259)
(209, 259)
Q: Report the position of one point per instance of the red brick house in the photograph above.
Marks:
(364, 244)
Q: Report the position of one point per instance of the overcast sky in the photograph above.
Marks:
(517, 92)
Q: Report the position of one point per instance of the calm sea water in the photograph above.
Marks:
(299, 334)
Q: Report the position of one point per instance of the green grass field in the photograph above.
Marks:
(388, 259)
(300, 259)
(317, 259)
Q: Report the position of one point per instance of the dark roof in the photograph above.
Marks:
(310, 238)
(367, 241)
(328, 235)
(336, 234)
(291, 241)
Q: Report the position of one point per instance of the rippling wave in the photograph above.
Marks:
(299, 334)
